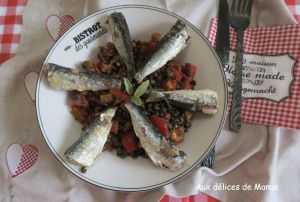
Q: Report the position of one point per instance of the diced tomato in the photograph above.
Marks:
(152, 46)
(127, 126)
(107, 53)
(119, 94)
(97, 66)
(115, 141)
(179, 130)
(144, 50)
(105, 68)
(178, 75)
(161, 125)
(79, 100)
(94, 99)
(187, 85)
(130, 142)
(115, 127)
(174, 65)
(88, 121)
(177, 135)
(189, 70)
(169, 84)
(148, 48)
(110, 45)
(117, 102)
(186, 78)
(79, 113)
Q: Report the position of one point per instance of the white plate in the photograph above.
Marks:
(60, 129)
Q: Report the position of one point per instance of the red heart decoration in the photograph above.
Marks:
(19, 158)
(57, 26)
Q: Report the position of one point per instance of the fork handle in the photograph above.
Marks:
(236, 104)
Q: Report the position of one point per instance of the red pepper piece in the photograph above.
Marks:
(117, 93)
(187, 85)
(130, 142)
(79, 100)
(169, 84)
(189, 70)
(115, 127)
(178, 75)
(161, 125)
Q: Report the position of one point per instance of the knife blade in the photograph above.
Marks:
(223, 38)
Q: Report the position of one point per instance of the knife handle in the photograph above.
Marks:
(236, 105)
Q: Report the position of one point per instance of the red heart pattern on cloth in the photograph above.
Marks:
(19, 158)
(57, 26)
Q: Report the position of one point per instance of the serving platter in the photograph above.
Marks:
(82, 42)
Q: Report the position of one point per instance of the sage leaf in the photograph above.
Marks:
(137, 101)
(128, 86)
(141, 89)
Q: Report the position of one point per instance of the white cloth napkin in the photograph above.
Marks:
(257, 154)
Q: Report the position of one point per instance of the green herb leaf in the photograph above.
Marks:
(141, 89)
(128, 86)
(137, 101)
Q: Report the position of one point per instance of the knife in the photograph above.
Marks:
(223, 38)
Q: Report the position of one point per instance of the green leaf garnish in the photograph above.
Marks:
(137, 101)
(141, 89)
(128, 86)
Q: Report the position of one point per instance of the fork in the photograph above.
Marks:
(240, 12)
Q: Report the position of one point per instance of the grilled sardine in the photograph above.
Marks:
(161, 151)
(69, 79)
(167, 48)
(90, 144)
(195, 100)
(122, 40)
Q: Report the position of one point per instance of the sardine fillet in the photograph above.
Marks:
(90, 144)
(122, 40)
(167, 48)
(199, 100)
(161, 151)
(196, 100)
(69, 79)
